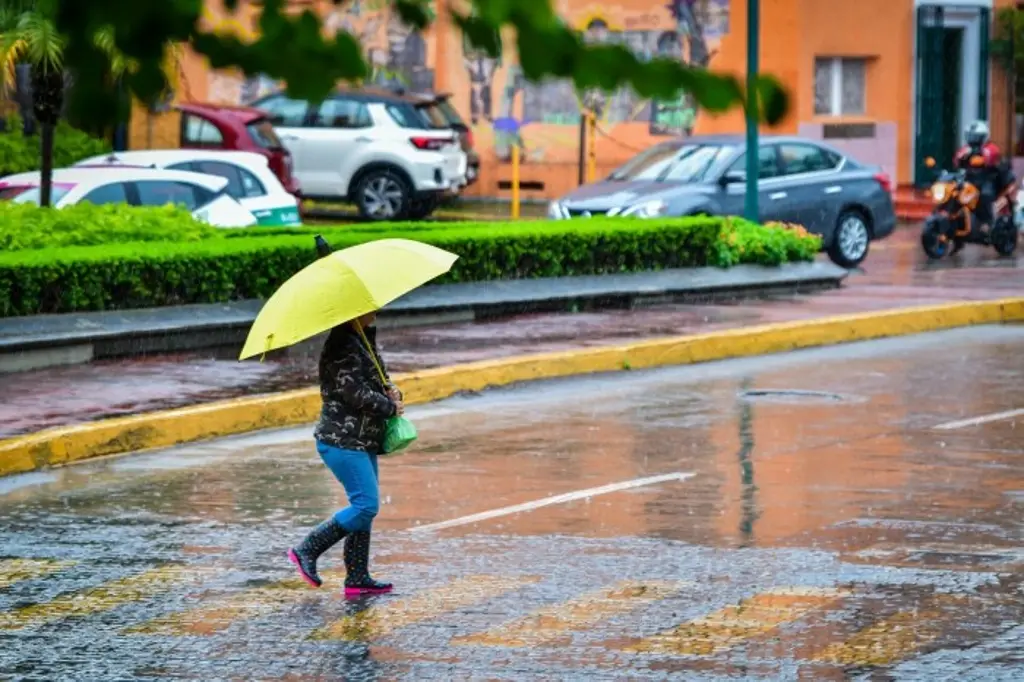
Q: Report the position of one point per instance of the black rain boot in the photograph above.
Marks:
(319, 540)
(357, 561)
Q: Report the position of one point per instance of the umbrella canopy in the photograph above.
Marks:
(343, 286)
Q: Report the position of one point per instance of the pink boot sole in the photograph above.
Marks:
(366, 591)
(295, 560)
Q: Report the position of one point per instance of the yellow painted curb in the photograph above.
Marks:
(63, 445)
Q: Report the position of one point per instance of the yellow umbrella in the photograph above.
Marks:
(342, 286)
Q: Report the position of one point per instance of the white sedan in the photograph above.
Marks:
(203, 195)
(251, 182)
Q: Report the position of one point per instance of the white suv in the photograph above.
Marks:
(387, 153)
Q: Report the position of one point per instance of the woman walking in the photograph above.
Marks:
(356, 406)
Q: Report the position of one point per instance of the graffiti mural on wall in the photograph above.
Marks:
(397, 55)
(543, 117)
(697, 24)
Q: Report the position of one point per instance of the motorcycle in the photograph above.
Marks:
(952, 223)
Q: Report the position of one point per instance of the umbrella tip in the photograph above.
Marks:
(322, 247)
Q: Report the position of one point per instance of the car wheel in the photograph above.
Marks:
(935, 245)
(850, 242)
(383, 195)
(421, 208)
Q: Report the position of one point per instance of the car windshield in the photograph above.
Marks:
(648, 165)
(671, 163)
(30, 195)
(693, 165)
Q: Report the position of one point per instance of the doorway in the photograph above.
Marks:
(952, 81)
(952, 67)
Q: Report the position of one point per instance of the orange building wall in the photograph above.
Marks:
(1002, 98)
(888, 45)
(780, 36)
(544, 120)
(153, 131)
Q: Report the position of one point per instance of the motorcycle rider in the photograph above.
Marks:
(991, 177)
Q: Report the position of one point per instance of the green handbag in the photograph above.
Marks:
(398, 435)
(399, 432)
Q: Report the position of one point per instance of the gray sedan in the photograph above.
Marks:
(800, 181)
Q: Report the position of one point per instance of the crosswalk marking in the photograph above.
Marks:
(891, 639)
(391, 615)
(98, 599)
(218, 616)
(732, 625)
(551, 626)
(16, 570)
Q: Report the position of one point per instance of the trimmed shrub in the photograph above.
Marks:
(225, 265)
(771, 244)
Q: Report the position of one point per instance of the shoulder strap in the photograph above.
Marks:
(373, 354)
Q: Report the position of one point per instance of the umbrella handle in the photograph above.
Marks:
(373, 355)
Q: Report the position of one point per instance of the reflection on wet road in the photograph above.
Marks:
(843, 513)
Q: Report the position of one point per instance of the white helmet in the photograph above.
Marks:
(978, 133)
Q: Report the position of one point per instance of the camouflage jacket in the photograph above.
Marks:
(355, 406)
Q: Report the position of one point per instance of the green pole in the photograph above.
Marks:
(750, 208)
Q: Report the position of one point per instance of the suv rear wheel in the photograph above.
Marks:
(383, 194)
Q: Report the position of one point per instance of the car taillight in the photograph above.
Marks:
(469, 139)
(884, 180)
(431, 143)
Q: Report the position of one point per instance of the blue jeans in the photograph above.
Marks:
(357, 473)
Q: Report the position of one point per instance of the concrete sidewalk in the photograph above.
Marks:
(897, 276)
(48, 340)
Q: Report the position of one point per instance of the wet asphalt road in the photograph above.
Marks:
(866, 523)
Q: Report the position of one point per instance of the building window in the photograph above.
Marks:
(839, 86)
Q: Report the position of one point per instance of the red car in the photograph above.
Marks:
(210, 126)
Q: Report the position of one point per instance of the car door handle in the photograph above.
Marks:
(834, 189)
(363, 139)
(777, 196)
(290, 138)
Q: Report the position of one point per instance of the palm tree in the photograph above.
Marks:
(28, 36)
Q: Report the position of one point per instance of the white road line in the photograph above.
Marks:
(983, 419)
(556, 499)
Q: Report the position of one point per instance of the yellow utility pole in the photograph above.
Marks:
(591, 146)
(515, 181)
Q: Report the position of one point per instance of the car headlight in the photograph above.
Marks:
(648, 209)
(939, 193)
(555, 211)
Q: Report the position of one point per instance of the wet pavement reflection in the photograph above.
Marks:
(843, 513)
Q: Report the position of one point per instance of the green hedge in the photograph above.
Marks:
(238, 264)
(20, 153)
(26, 226)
